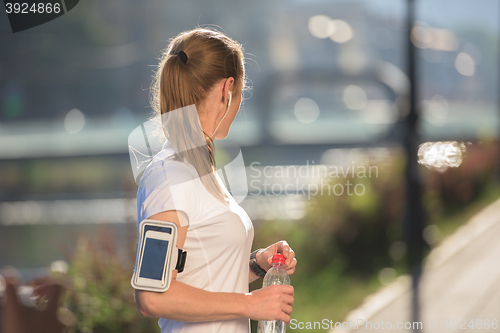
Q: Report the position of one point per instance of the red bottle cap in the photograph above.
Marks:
(278, 258)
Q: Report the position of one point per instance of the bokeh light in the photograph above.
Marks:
(444, 40)
(421, 36)
(435, 110)
(465, 64)
(431, 234)
(379, 112)
(355, 97)
(306, 110)
(424, 36)
(397, 250)
(74, 121)
(343, 32)
(441, 155)
(59, 266)
(387, 275)
(322, 26)
(474, 52)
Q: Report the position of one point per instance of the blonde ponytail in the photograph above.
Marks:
(190, 66)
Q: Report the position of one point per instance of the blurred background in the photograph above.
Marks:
(330, 97)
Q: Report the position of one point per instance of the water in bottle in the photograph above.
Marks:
(275, 275)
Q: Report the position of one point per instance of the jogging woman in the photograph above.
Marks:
(203, 70)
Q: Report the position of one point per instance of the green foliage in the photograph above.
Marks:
(346, 234)
(343, 241)
(99, 290)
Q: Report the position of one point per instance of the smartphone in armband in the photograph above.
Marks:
(157, 256)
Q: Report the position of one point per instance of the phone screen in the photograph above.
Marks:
(153, 259)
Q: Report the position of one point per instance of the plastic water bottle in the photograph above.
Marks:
(275, 275)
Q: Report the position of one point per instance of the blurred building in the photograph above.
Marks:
(325, 75)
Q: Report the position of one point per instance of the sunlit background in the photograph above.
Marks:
(329, 99)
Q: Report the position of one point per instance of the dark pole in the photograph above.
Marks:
(414, 217)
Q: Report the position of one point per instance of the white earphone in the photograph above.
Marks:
(230, 96)
(228, 106)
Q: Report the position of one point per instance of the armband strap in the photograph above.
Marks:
(181, 260)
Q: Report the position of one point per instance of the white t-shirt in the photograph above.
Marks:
(218, 241)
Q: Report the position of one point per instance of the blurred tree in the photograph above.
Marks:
(99, 292)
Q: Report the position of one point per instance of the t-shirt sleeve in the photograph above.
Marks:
(166, 186)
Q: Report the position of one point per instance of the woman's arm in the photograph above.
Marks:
(251, 276)
(186, 303)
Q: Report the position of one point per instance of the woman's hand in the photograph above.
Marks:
(271, 303)
(264, 257)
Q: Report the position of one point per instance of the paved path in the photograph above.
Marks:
(460, 282)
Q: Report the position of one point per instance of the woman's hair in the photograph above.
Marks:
(182, 80)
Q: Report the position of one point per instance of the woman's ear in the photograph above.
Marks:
(227, 86)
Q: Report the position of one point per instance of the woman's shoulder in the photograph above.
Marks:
(169, 170)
